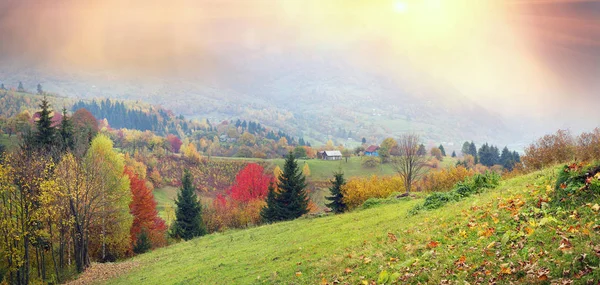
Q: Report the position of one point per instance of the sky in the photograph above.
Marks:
(534, 59)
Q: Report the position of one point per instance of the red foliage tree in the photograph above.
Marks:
(175, 143)
(145, 215)
(251, 183)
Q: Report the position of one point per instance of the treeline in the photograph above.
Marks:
(490, 155)
(119, 116)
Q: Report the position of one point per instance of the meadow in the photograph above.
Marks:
(500, 235)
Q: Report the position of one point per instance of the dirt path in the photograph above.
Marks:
(103, 271)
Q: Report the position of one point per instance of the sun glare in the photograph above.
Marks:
(400, 7)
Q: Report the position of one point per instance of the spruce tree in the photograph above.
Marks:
(44, 137)
(337, 204)
(453, 153)
(421, 151)
(441, 147)
(20, 87)
(270, 213)
(39, 89)
(506, 159)
(473, 152)
(66, 131)
(291, 201)
(188, 216)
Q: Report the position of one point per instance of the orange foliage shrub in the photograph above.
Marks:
(588, 145)
(443, 180)
(550, 149)
(358, 190)
(225, 213)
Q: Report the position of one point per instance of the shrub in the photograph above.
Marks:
(443, 180)
(576, 185)
(463, 189)
(358, 190)
(370, 162)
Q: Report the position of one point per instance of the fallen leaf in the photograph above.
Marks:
(298, 274)
(433, 244)
(348, 270)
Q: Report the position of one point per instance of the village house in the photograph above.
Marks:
(372, 150)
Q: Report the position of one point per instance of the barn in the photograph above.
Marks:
(330, 155)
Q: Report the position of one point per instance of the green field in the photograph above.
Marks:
(500, 234)
(323, 169)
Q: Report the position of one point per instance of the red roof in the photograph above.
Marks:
(372, 148)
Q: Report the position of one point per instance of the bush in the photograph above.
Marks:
(370, 162)
(443, 180)
(577, 185)
(358, 190)
(471, 185)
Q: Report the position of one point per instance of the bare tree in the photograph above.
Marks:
(409, 164)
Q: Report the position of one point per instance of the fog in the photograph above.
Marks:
(534, 61)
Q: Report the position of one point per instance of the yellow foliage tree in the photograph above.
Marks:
(306, 170)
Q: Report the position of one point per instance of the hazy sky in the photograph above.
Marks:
(540, 57)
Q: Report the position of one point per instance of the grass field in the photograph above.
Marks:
(323, 169)
(497, 235)
(8, 142)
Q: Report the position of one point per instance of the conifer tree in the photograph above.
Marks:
(270, 213)
(39, 89)
(20, 87)
(44, 137)
(441, 147)
(337, 204)
(188, 216)
(453, 153)
(421, 151)
(291, 201)
(66, 131)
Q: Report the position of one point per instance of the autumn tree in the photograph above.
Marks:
(147, 226)
(188, 222)
(436, 152)
(409, 165)
(105, 174)
(306, 170)
(337, 204)
(174, 142)
(291, 200)
(251, 183)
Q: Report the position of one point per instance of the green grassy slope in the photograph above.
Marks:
(501, 235)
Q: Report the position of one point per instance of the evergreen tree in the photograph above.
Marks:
(465, 148)
(421, 151)
(20, 87)
(364, 140)
(441, 147)
(337, 204)
(270, 213)
(291, 201)
(506, 159)
(44, 137)
(473, 151)
(66, 131)
(142, 244)
(2, 87)
(453, 153)
(188, 217)
(39, 89)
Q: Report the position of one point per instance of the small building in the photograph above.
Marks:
(330, 155)
(372, 150)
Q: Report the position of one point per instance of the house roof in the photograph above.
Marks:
(372, 148)
(333, 153)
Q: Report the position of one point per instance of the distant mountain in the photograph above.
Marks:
(317, 95)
